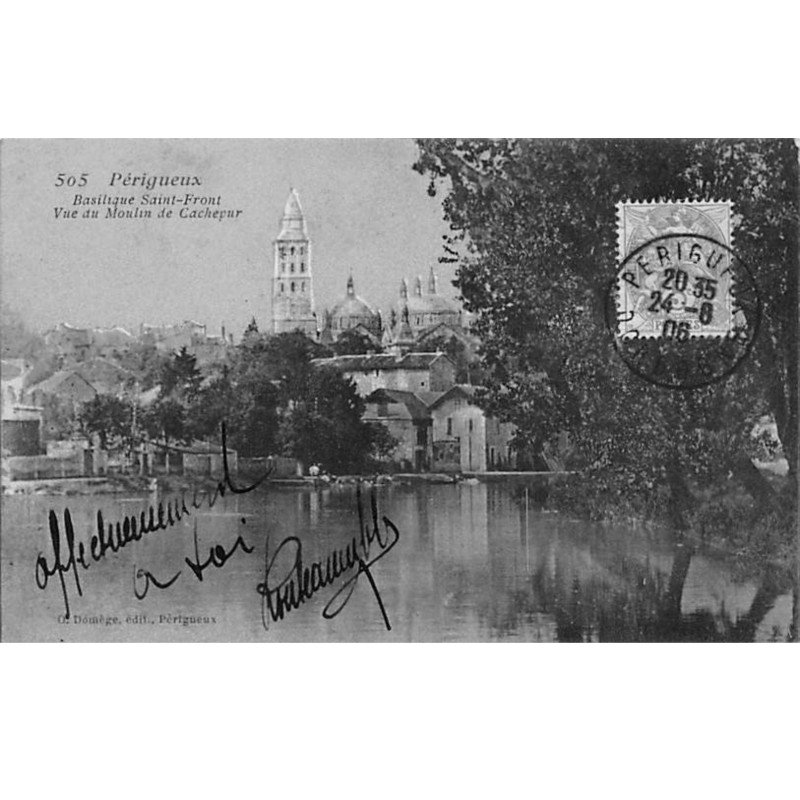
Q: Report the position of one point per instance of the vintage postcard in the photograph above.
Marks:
(390, 390)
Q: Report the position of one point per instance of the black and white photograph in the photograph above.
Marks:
(398, 390)
(399, 401)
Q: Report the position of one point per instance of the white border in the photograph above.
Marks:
(402, 721)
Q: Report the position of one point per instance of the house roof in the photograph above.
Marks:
(460, 389)
(367, 363)
(429, 398)
(449, 330)
(50, 385)
(86, 367)
(417, 409)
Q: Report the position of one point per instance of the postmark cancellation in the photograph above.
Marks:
(675, 278)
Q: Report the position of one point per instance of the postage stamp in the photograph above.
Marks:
(678, 279)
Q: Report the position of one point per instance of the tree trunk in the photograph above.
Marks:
(677, 579)
(794, 631)
(680, 498)
(763, 603)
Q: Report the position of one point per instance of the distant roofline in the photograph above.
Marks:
(385, 360)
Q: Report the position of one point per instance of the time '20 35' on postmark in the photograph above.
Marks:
(677, 281)
(685, 307)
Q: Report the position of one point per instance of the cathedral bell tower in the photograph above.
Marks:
(292, 287)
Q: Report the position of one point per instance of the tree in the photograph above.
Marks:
(355, 342)
(246, 400)
(251, 331)
(468, 368)
(286, 359)
(180, 377)
(533, 231)
(146, 363)
(166, 419)
(108, 417)
(325, 426)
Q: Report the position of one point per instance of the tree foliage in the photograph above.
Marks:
(355, 342)
(166, 420)
(109, 417)
(180, 378)
(274, 400)
(534, 232)
(468, 365)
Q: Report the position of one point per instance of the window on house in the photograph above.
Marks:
(292, 285)
(449, 426)
(302, 266)
(292, 250)
(291, 267)
(282, 289)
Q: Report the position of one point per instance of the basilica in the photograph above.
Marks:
(419, 313)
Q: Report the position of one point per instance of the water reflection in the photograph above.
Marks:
(474, 563)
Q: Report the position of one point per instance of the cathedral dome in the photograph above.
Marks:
(351, 311)
(427, 309)
(439, 304)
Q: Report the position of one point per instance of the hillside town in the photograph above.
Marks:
(415, 368)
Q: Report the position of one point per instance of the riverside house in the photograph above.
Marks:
(413, 372)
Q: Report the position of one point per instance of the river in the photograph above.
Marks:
(472, 563)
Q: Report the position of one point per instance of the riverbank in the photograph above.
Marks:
(728, 525)
(113, 484)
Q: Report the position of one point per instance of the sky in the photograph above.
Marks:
(366, 210)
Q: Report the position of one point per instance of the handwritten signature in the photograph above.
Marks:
(285, 589)
(115, 537)
(217, 557)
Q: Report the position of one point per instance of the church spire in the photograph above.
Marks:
(351, 289)
(432, 288)
(403, 341)
(292, 285)
(293, 222)
(418, 286)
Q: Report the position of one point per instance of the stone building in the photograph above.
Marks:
(172, 338)
(68, 385)
(292, 285)
(413, 372)
(21, 421)
(350, 313)
(110, 342)
(105, 376)
(77, 344)
(69, 342)
(426, 309)
(194, 336)
(293, 304)
(406, 416)
(464, 438)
